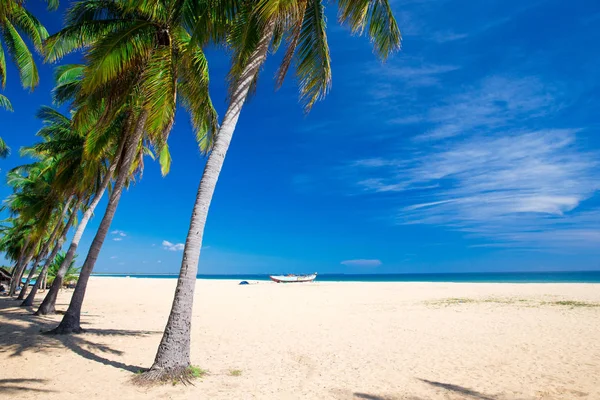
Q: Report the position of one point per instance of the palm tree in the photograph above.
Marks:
(15, 23)
(256, 27)
(35, 203)
(65, 143)
(147, 58)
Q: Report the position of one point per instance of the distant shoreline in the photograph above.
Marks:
(478, 277)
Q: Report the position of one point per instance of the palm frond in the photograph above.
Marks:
(114, 53)
(21, 54)
(4, 149)
(312, 56)
(158, 85)
(377, 14)
(24, 21)
(2, 67)
(5, 103)
(194, 89)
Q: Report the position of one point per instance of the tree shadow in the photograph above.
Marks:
(460, 390)
(12, 387)
(21, 332)
(368, 396)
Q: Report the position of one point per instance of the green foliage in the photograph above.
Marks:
(71, 274)
(303, 23)
(140, 59)
(15, 21)
(197, 372)
(235, 372)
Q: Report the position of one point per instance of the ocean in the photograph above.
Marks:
(482, 277)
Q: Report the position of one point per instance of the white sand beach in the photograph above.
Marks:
(322, 340)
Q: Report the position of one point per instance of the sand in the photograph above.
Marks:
(317, 341)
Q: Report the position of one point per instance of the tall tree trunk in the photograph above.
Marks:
(48, 306)
(173, 356)
(45, 248)
(29, 300)
(32, 271)
(18, 273)
(71, 320)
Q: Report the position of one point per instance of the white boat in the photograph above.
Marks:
(293, 278)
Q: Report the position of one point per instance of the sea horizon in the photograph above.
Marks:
(450, 277)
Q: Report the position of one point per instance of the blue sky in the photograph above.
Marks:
(476, 148)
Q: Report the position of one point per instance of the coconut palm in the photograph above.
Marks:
(90, 174)
(34, 202)
(147, 58)
(255, 27)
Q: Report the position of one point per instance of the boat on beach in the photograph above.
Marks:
(291, 278)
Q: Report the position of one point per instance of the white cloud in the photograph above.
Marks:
(172, 246)
(515, 187)
(117, 239)
(449, 36)
(362, 263)
(113, 257)
(497, 102)
(118, 233)
(411, 72)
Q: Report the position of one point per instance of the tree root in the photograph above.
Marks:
(173, 375)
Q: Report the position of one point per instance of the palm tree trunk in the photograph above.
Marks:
(44, 250)
(48, 305)
(29, 300)
(34, 266)
(71, 320)
(20, 268)
(173, 356)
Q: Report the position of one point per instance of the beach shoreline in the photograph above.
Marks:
(321, 340)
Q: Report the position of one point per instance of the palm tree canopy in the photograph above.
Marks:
(302, 24)
(144, 52)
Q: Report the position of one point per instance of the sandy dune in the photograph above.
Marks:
(324, 340)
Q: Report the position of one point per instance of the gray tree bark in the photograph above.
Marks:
(29, 300)
(173, 355)
(20, 269)
(71, 320)
(48, 305)
(45, 248)
(34, 266)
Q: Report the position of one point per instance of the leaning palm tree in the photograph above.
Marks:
(255, 27)
(88, 177)
(148, 60)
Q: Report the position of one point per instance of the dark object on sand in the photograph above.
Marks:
(244, 283)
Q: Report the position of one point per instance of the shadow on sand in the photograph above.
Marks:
(21, 331)
(16, 386)
(367, 396)
(463, 391)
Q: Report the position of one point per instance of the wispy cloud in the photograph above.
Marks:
(117, 239)
(514, 187)
(495, 103)
(113, 257)
(448, 36)
(410, 72)
(172, 246)
(362, 263)
(118, 233)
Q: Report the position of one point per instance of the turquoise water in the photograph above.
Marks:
(490, 277)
